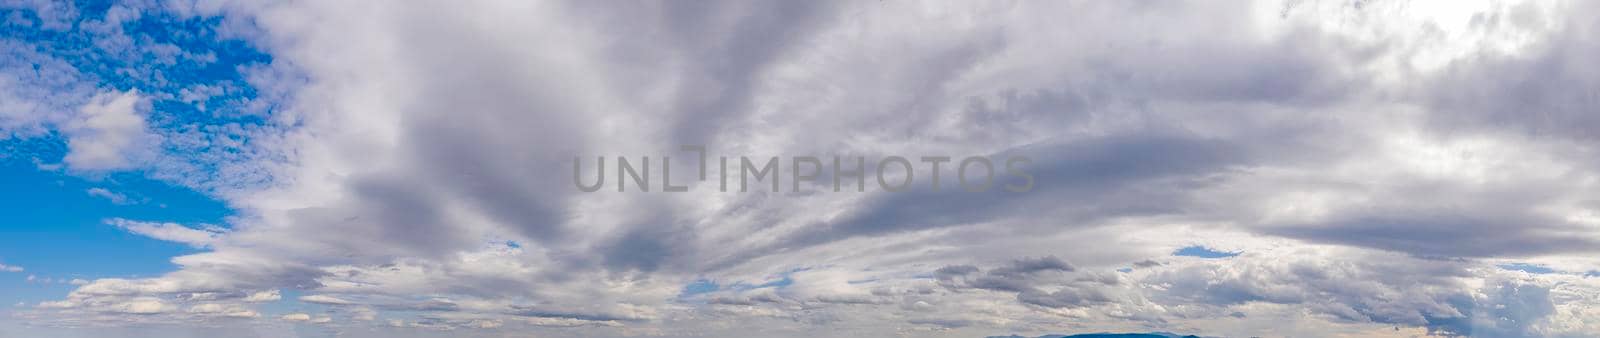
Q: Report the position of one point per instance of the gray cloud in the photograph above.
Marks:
(423, 169)
(1450, 233)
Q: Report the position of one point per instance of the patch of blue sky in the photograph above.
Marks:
(704, 286)
(701, 286)
(1529, 268)
(290, 303)
(1203, 252)
(55, 228)
(157, 52)
(196, 78)
(201, 102)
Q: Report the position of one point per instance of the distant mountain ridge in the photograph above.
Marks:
(1108, 335)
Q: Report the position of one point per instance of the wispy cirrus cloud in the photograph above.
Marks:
(204, 236)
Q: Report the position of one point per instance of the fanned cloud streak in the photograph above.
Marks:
(1297, 168)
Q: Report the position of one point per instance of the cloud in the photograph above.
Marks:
(324, 299)
(1028, 277)
(264, 296)
(171, 232)
(10, 268)
(223, 310)
(115, 198)
(109, 133)
(40, 91)
(136, 306)
(1334, 160)
(1427, 232)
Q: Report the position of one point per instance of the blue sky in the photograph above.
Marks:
(54, 225)
(55, 229)
(380, 169)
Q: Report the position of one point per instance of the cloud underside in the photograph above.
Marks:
(1370, 165)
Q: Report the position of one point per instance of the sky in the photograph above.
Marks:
(364, 168)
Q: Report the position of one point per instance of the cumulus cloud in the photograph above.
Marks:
(1354, 162)
(10, 268)
(109, 133)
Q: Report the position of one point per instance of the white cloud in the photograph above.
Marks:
(223, 310)
(109, 133)
(10, 268)
(264, 296)
(172, 232)
(296, 317)
(141, 306)
(115, 198)
(37, 93)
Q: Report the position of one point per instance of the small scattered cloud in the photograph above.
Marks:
(115, 198)
(10, 268)
(264, 296)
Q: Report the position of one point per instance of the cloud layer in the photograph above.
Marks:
(408, 168)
